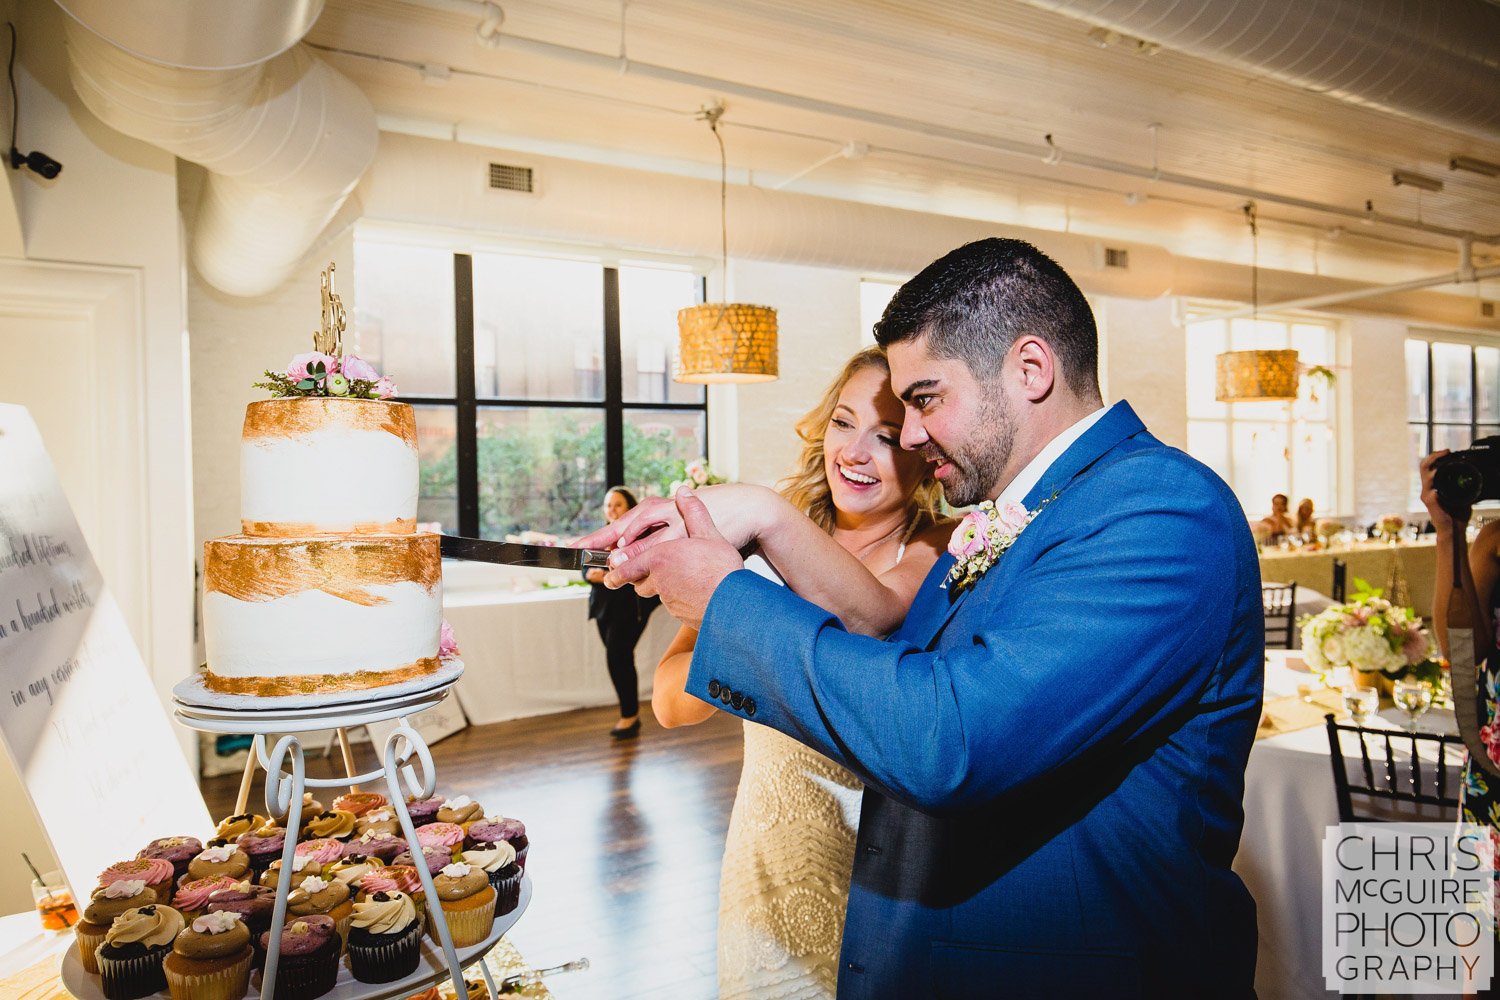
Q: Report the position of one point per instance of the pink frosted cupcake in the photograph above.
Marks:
(440, 834)
(375, 844)
(308, 965)
(178, 850)
(423, 811)
(157, 873)
(494, 829)
(193, 895)
(360, 803)
(434, 857)
(253, 903)
(262, 846)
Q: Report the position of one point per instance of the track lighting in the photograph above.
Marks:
(1474, 166)
(1405, 178)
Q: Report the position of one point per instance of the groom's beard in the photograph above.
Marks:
(978, 462)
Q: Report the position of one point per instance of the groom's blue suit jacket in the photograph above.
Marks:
(1054, 758)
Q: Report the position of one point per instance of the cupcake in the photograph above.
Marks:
(303, 865)
(498, 862)
(352, 868)
(325, 850)
(193, 895)
(423, 811)
(440, 834)
(107, 903)
(131, 956)
(461, 810)
(254, 904)
(385, 938)
(232, 827)
(178, 850)
(375, 844)
(493, 829)
(333, 824)
(377, 821)
(308, 964)
(395, 878)
(318, 896)
(262, 846)
(225, 860)
(157, 873)
(310, 806)
(360, 803)
(434, 857)
(210, 959)
(468, 902)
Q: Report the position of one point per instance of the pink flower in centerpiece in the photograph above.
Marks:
(1415, 646)
(968, 537)
(447, 645)
(385, 387)
(297, 370)
(355, 367)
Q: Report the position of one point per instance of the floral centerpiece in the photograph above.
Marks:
(695, 474)
(1326, 528)
(1389, 525)
(1372, 637)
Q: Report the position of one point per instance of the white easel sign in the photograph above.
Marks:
(79, 716)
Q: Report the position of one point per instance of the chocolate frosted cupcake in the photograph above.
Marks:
(226, 860)
(360, 803)
(108, 902)
(423, 811)
(157, 873)
(375, 844)
(322, 897)
(303, 866)
(178, 850)
(193, 895)
(385, 938)
(262, 846)
(460, 810)
(308, 964)
(449, 836)
(131, 956)
(233, 827)
(494, 829)
(434, 857)
(210, 960)
(352, 868)
(468, 903)
(332, 824)
(378, 821)
(498, 862)
(253, 903)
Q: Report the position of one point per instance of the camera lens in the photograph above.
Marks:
(1458, 484)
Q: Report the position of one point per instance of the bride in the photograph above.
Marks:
(784, 884)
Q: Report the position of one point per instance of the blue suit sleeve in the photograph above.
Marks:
(1115, 617)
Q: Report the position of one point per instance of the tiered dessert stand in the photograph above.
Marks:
(286, 781)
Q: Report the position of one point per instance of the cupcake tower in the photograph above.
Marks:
(195, 920)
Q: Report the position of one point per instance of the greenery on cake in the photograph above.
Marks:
(319, 374)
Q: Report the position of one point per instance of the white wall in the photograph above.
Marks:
(1376, 415)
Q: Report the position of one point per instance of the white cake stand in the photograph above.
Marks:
(286, 782)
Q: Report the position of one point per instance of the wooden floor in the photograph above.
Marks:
(626, 839)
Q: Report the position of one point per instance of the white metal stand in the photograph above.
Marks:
(284, 793)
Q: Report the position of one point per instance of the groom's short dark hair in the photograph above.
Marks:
(973, 303)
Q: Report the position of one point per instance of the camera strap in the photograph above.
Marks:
(1463, 666)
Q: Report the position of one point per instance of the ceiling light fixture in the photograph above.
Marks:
(1474, 166)
(1405, 178)
(1242, 376)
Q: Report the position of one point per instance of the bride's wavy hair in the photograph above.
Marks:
(808, 489)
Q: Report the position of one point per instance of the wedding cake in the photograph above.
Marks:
(329, 587)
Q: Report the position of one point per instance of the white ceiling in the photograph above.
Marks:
(992, 77)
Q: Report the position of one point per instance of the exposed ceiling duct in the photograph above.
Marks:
(284, 136)
(1435, 62)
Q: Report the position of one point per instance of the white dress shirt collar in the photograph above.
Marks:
(1037, 467)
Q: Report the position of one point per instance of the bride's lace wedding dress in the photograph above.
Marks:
(785, 880)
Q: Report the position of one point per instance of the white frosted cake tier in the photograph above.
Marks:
(287, 616)
(314, 466)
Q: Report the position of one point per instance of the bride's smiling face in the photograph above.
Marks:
(868, 471)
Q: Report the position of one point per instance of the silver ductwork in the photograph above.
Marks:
(1438, 63)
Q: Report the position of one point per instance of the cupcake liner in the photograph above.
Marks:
(302, 977)
(470, 926)
(134, 977)
(507, 890)
(384, 958)
(228, 983)
(89, 941)
(522, 845)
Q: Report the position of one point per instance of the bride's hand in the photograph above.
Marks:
(738, 511)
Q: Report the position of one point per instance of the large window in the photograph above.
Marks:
(538, 382)
(1265, 448)
(1453, 397)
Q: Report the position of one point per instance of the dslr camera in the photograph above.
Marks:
(1464, 478)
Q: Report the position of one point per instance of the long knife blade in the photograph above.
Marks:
(517, 554)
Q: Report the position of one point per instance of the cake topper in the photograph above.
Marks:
(326, 370)
(330, 339)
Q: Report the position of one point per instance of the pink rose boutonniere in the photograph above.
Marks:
(982, 537)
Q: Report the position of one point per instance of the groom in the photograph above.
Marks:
(1054, 749)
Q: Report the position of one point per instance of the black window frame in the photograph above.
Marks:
(467, 403)
(1430, 425)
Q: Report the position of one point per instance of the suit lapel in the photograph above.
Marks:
(1112, 428)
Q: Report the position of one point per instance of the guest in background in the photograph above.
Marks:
(1277, 524)
(621, 617)
(1306, 521)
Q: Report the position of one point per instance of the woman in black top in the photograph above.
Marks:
(621, 617)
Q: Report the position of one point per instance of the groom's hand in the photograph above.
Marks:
(685, 571)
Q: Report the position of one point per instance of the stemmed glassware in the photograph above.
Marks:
(1361, 702)
(1413, 697)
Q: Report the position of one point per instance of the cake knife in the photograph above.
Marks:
(518, 554)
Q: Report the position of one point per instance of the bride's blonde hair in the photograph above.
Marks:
(808, 489)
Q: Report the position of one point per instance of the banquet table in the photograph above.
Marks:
(1289, 802)
(1370, 561)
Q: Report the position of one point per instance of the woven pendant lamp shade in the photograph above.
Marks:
(1242, 376)
(726, 342)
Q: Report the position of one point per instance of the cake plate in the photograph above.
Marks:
(286, 782)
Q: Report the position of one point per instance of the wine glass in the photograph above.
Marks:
(1413, 697)
(1361, 703)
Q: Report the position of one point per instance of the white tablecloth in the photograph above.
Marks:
(1289, 801)
(535, 653)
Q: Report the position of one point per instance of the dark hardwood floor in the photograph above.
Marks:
(626, 840)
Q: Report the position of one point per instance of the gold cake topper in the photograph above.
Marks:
(330, 339)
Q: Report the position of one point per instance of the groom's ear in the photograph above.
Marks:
(1035, 367)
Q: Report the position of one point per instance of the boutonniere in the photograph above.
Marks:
(982, 537)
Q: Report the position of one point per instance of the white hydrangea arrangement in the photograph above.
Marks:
(1371, 634)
